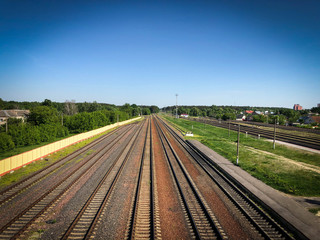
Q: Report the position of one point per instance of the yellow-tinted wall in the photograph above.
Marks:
(8, 164)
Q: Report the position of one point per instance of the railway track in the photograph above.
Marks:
(83, 225)
(9, 193)
(267, 227)
(289, 128)
(203, 223)
(310, 142)
(133, 146)
(19, 223)
(143, 222)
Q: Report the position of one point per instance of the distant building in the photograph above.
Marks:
(249, 111)
(310, 119)
(297, 107)
(240, 117)
(19, 114)
(315, 119)
(184, 115)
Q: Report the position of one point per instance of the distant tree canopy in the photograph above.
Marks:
(43, 115)
(315, 110)
(49, 120)
(285, 115)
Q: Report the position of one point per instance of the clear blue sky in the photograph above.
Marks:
(256, 53)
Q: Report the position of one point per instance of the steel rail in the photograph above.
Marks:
(314, 139)
(265, 225)
(25, 183)
(152, 189)
(219, 234)
(288, 128)
(147, 232)
(100, 202)
(297, 140)
(35, 209)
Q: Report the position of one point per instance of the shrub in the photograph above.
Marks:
(6, 142)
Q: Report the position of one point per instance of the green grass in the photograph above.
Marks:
(279, 174)
(22, 172)
(314, 210)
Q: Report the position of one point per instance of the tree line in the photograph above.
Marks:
(49, 120)
(71, 107)
(283, 115)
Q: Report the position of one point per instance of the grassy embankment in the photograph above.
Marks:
(289, 170)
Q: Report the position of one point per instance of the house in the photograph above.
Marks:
(240, 117)
(310, 119)
(184, 115)
(18, 114)
(249, 111)
(316, 119)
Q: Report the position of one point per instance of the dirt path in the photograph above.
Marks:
(290, 145)
(287, 160)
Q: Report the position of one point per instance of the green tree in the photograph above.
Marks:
(229, 116)
(315, 110)
(154, 109)
(195, 112)
(146, 111)
(127, 108)
(43, 115)
(2, 104)
(259, 118)
(14, 121)
(6, 142)
(47, 102)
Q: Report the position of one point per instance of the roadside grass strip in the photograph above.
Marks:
(295, 172)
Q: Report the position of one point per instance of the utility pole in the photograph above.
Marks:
(62, 118)
(274, 133)
(176, 105)
(229, 128)
(6, 125)
(238, 144)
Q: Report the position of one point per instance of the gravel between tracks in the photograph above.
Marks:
(71, 202)
(172, 218)
(233, 223)
(113, 223)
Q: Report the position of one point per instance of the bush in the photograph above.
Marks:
(6, 142)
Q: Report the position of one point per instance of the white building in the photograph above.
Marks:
(18, 114)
